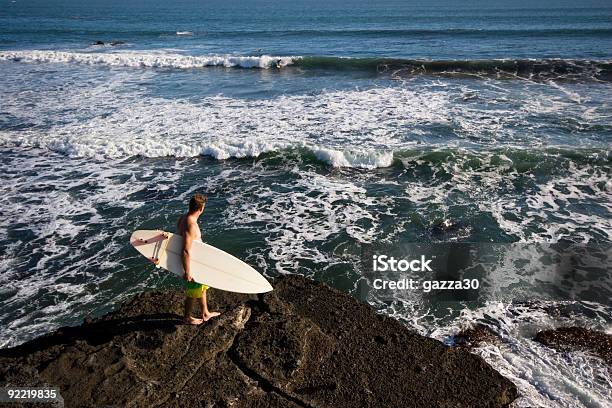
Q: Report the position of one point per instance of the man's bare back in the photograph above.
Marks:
(184, 222)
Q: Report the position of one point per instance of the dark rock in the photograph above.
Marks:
(474, 337)
(302, 345)
(113, 43)
(578, 339)
(445, 226)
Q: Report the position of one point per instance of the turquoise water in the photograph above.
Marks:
(316, 129)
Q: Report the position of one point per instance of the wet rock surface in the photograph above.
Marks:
(475, 337)
(113, 43)
(578, 339)
(302, 345)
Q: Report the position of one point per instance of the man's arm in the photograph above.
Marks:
(187, 243)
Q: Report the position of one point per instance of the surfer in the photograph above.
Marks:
(187, 226)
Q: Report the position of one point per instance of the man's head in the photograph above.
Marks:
(196, 204)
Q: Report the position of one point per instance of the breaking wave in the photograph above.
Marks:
(146, 59)
(532, 69)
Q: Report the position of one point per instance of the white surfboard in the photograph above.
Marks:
(209, 265)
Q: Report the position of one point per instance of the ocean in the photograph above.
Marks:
(317, 129)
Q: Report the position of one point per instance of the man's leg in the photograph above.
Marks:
(206, 314)
(187, 318)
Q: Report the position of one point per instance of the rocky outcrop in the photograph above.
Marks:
(113, 43)
(302, 345)
(475, 336)
(578, 339)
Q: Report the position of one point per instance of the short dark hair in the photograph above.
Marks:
(197, 202)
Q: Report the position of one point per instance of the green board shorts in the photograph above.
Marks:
(195, 290)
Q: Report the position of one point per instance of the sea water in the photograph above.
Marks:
(316, 128)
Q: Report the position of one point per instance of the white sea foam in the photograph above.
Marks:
(544, 377)
(61, 214)
(349, 128)
(298, 214)
(346, 128)
(366, 160)
(526, 215)
(146, 59)
(222, 127)
(554, 200)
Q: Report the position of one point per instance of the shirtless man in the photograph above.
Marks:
(187, 226)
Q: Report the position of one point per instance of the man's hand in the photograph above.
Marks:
(188, 277)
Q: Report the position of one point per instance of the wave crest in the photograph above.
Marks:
(146, 59)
